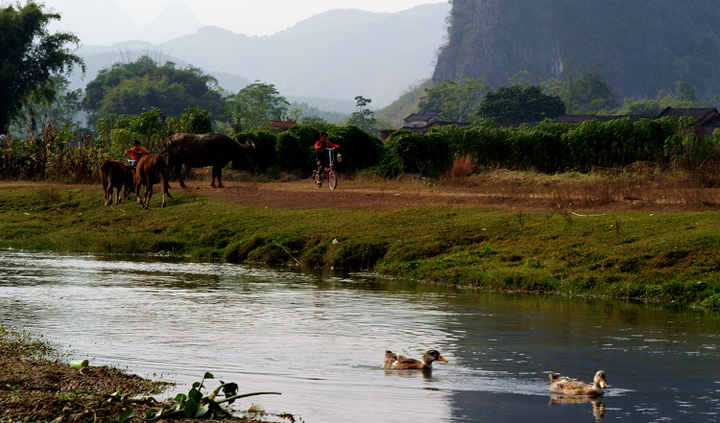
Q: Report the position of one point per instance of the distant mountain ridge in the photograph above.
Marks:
(105, 22)
(338, 54)
(643, 45)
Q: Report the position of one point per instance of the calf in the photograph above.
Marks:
(116, 176)
(151, 169)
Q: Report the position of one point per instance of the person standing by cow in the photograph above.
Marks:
(321, 152)
(136, 152)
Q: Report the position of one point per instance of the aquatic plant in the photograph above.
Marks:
(194, 404)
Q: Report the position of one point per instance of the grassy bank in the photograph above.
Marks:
(672, 258)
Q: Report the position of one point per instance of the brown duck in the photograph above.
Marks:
(567, 386)
(393, 361)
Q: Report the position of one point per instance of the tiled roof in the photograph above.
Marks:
(698, 114)
(420, 116)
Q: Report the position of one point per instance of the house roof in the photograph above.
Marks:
(700, 115)
(424, 117)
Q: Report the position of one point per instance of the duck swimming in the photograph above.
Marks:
(393, 361)
(567, 386)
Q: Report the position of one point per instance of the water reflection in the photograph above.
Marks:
(320, 339)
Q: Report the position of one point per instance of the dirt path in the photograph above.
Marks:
(502, 190)
(514, 192)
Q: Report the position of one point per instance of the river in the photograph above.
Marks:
(319, 338)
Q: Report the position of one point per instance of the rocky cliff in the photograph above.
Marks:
(643, 45)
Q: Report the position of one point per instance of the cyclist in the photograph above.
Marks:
(321, 152)
(136, 152)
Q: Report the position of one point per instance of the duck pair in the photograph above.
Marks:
(558, 384)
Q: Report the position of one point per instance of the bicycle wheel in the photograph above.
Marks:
(332, 181)
(317, 180)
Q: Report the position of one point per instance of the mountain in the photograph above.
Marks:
(101, 22)
(338, 54)
(105, 22)
(643, 45)
(174, 21)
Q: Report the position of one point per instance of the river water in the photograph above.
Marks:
(320, 339)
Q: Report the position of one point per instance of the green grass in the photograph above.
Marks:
(669, 258)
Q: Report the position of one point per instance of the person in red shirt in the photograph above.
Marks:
(321, 151)
(136, 152)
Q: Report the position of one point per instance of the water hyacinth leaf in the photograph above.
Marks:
(202, 410)
(127, 416)
(181, 398)
(195, 395)
(208, 375)
(150, 411)
(191, 407)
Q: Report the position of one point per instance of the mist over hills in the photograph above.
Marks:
(338, 54)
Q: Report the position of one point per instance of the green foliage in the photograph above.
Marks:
(290, 154)
(427, 154)
(405, 105)
(130, 88)
(453, 101)
(689, 148)
(515, 103)
(256, 104)
(193, 405)
(264, 141)
(653, 107)
(195, 120)
(362, 117)
(360, 149)
(30, 56)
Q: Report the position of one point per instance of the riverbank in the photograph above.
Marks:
(36, 385)
(635, 239)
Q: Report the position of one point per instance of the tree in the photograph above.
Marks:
(590, 94)
(256, 104)
(362, 117)
(686, 92)
(587, 95)
(131, 88)
(520, 104)
(30, 55)
(453, 101)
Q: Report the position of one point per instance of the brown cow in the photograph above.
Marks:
(201, 150)
(151, 169)
(116, 176)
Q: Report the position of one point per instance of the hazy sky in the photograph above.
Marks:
(261, 17)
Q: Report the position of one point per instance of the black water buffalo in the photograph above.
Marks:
(151, 169)
(115, 176)
(202, 150)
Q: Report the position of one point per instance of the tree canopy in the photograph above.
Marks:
(515, 103)
(256, 104)
(453, 101)
(131, 88)
(30, 55)
(363, 117)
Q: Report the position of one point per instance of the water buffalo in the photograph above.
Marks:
(151, 169)
(115, 176)
(201, 150)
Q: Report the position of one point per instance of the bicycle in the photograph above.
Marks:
(328, 173)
